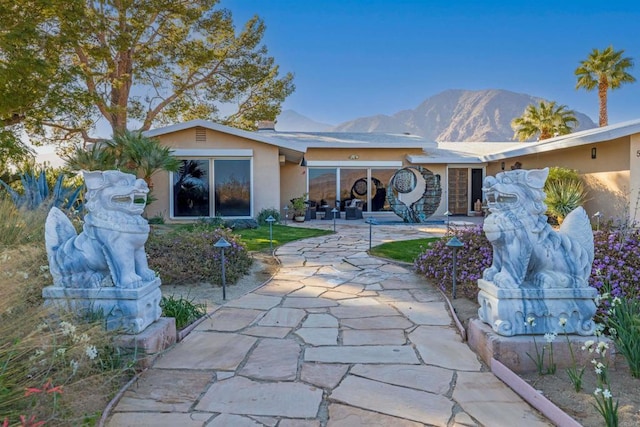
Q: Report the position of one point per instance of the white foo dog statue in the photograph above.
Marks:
(539, 276)
(110, 249)
(526, 250)
(104, 268)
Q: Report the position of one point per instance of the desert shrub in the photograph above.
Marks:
(472, 259)
(565, 191)
(563, 196)
(265, 213)
(57, 369)
(20, 226)
(187, 256)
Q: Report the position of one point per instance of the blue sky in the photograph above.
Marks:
(357, 58)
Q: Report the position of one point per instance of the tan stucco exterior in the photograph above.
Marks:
(612, 177)
(607, 176)
(265, 166)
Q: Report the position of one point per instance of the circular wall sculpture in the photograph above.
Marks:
(414, 193)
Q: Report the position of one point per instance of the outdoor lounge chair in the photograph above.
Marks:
(353, 210)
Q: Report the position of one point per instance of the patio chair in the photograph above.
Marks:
(353, 210)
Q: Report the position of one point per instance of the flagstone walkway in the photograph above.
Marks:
(337, 338)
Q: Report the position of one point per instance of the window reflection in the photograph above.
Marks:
(233, 187)
(191, 189)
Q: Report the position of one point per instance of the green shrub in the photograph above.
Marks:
(265, 213)
(184, 310)
(563, 196)
(187, 256)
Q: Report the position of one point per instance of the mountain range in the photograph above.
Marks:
(453, 115)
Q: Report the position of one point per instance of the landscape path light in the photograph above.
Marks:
(597, 216)
(447, 214)
(270, 220)
(334, 211)
(286, 214)
(371, 221)
(454, 243)
(222, 244)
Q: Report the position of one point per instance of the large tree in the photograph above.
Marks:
(605, 70)
(133, 63)
(544, 120)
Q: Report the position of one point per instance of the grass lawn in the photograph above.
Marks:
(405, 251)
(258, 239)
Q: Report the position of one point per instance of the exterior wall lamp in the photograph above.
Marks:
(593, 153)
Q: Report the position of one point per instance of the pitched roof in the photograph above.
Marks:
(294, 144)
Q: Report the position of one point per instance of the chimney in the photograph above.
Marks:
(266, 126)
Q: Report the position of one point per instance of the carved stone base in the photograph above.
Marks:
(129, 309)
(507, 310)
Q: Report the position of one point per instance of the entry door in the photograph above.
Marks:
(459, 191)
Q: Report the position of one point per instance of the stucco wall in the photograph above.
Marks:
(607, 176)
(265, 168)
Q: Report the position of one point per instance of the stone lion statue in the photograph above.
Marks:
(527, 252)
(110, 249)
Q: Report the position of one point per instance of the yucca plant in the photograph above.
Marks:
(563, 196)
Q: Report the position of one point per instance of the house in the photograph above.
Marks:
(237, 173)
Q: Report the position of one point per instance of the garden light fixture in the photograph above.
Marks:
(334, 211)
(371, 221)
(270, 220)
(454, 243)
(222, 244)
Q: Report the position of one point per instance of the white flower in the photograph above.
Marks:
(602, 348)
(61, 351)
(599, 329)
(67, 328)
(616, 301)
(74, 366)
(563, 322)
(44, 268)
(91, 351)
(598, 370)
(606, 393)
(597, 391)
(588, 345)
(531, 321)
(550, 336)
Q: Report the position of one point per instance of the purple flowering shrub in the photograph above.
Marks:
(471, 260)
(616, 267)
(615, 271)
(187, 256)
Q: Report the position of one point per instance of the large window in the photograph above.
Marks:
(191, 189)
(192, 184)
(365, 184)
(233, 187)
(322, 186)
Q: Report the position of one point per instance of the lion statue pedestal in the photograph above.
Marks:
(104, 268)
(538, 280)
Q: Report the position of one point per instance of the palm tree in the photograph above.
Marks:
(545, 120)
(127, 151)
(605, 69)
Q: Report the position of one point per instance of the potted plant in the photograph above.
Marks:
(299, 207)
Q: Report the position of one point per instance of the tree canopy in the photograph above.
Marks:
(67, 65)
(544, 120)
(605, 70)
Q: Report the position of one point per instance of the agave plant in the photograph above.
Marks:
(37, 193)
(563, 196)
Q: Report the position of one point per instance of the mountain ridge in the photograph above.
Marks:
(454, 115)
